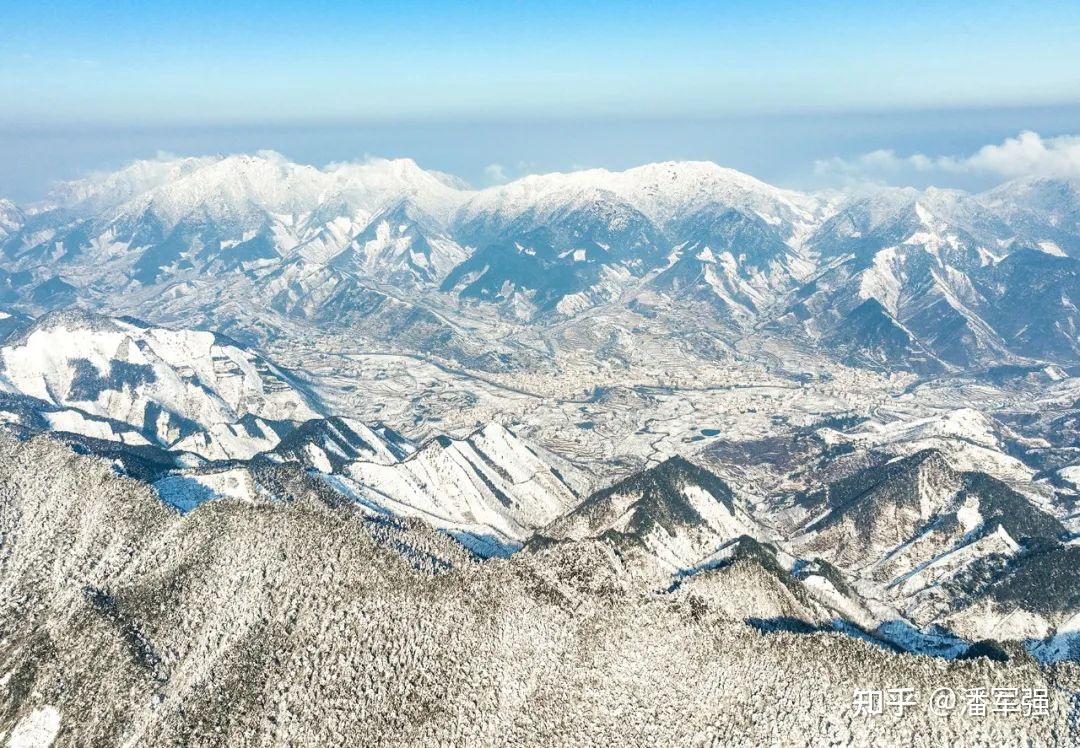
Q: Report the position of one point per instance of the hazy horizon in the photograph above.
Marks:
(491, 91)
(787, 150)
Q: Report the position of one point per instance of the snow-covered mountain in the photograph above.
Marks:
(664, 193)
(1039, 211)
(11, 219)
(196, 395)
(916, 280)
(329, 445)
(940, 544)
(121, 380)
(568, 241)
(895, 279)
(291, 618)
(666, 425)
(158, 221)
(675, 513)
(924, 533)
(161, 220)
(489, 490)
(403, 246)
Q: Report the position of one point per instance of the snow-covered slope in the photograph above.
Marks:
(160, 220)
(1040, 211)
(247, 188)
(662, 192)
(185, 390)
(402, 246)
(330, 444)
(193, 393)
(584, 236)
(938, 279)
(933, 541)
(11, 219)
(969, 439)
(295, 620)
(675, 514)
(489, 490)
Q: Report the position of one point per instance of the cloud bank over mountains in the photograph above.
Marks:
(1027, 155)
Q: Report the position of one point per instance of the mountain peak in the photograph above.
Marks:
(107, 190)
(70, 318)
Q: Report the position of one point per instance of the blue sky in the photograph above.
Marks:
(79, 80)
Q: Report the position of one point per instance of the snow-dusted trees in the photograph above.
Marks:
(298, 621)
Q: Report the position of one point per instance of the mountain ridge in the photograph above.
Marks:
(548, 248)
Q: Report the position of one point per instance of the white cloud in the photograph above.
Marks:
(1027, 154)
(495, 173)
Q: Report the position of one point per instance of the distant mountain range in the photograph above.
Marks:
(930, 281)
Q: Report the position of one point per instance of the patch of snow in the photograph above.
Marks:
(1051, 248)
(185, 492)
(969, 516)
(38, 729)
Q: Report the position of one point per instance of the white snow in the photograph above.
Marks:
(38, 729)
(186, 492)
(660, 191)
(1051, 248)
(967, 437)
(969, 516)
(75, 422)
(1071, 474)
(318, 458)
(490, 482)
(883, 281)
(182, 374)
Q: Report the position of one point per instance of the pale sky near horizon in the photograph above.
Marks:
(490, 89)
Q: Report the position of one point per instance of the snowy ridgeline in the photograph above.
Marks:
(927, 281)
(197, 404)
(303, 620)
